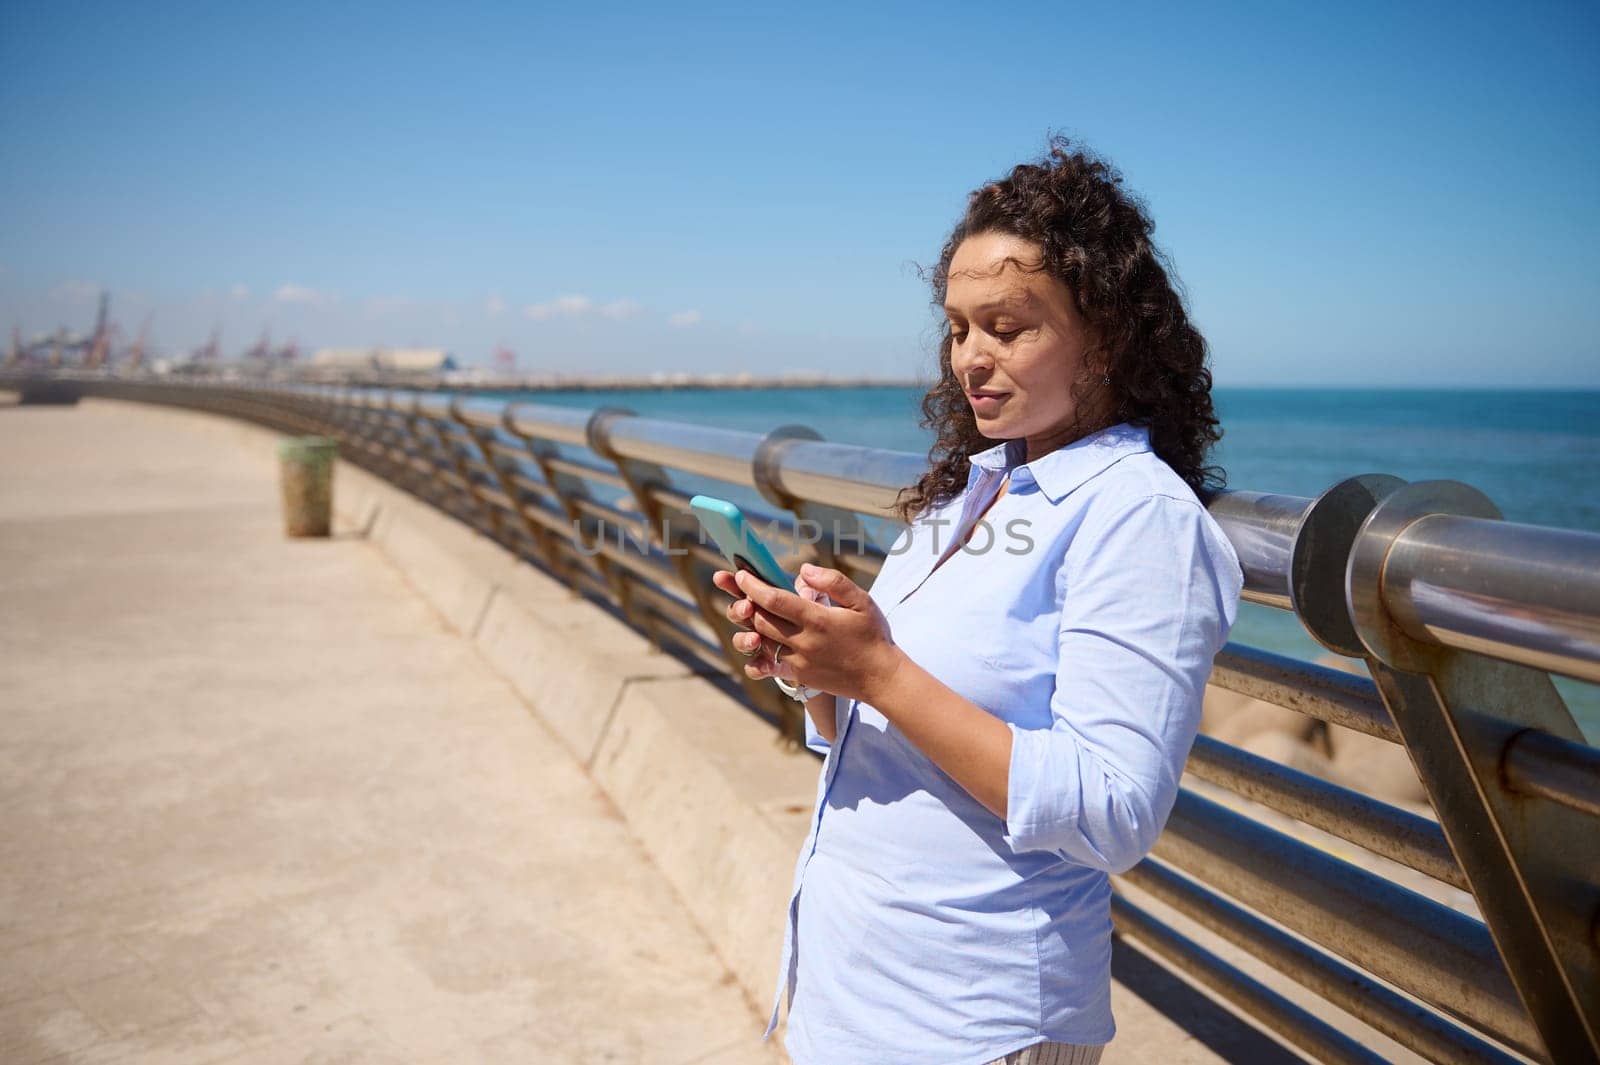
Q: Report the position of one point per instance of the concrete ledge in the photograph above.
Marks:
(570, 661)
(721, 810)
(358, 496)
(452, 567)
(704, 785)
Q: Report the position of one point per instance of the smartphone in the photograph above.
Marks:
(738, 540)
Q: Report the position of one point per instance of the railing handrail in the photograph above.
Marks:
(1523, 593)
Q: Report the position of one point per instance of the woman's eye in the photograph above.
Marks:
(1007, 334)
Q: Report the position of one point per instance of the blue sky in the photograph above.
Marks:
(1398, 194)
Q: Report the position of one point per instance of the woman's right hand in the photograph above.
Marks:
(759, 649)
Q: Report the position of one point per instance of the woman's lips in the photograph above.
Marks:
(987, 404)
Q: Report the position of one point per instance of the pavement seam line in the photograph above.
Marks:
(605, 729)
(483, 612)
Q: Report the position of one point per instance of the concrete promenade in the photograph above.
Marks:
(263, 803)
(391, 796)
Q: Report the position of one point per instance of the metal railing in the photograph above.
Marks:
(1459, 616)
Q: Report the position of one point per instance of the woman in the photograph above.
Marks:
(1006, 714)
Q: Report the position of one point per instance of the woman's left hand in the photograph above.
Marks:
(845, 648)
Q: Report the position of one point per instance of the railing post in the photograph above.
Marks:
(840, 525)
(444, 461)
(343, 415)
(491, 512)
(393, 437)
(663, 530)
(1532, 863)
(301, 415)
(595, 434)
(430, 486)
(568, 489)
(321, 409)
(331, 412)
(540, 537)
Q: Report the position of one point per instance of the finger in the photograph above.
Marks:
(777, 601)
(739, 611)
(770, 632)
(753, 646)
(774, 629)
(784, 669)
(788, 664)
(723, 579)
(835, 584)
(807, 592)
(761, 664)
(784, 666)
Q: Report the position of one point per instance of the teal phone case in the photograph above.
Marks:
(739, 543)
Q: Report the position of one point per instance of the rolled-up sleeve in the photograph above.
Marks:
(814, 740)
(1149, 593)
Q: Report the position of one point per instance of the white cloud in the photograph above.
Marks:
(684, 319)
(582, 307)
(620, 309)
(494, 306)
(292, 293)
(564, 305)
(239, 292)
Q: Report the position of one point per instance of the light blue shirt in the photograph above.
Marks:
(931, 931)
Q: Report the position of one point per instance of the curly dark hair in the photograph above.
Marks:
(1095, 237)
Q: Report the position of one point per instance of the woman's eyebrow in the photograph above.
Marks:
(1010, 302)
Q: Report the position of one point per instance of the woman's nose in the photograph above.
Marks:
(966, 358)
(972, 372)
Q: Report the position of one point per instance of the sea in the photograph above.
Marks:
(1536, 454)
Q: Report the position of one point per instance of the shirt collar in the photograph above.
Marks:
(1065, 468)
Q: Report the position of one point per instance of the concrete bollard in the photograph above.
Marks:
(305, 466)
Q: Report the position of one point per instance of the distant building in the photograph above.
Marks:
(409, 361)
(415, 360)
(350, 360)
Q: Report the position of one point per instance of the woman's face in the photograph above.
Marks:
(1016, 341)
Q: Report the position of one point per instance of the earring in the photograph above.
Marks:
(1106, 380)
